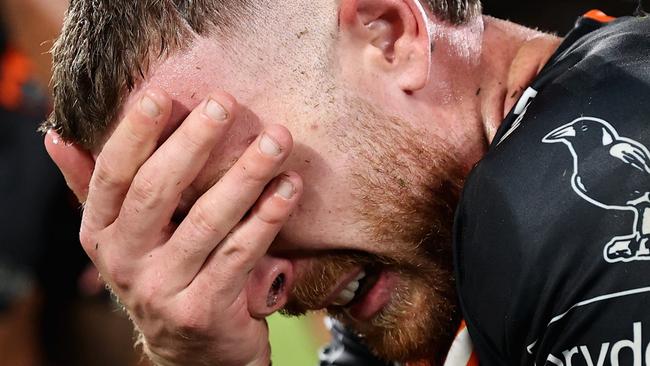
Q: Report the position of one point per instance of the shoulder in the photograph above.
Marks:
(547, 218)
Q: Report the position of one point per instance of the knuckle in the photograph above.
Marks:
(239, 251)
(87, 240)
(145, 191)
(108, 174)
(147, 302)
(190, 142)
(138, 130)
(192, 320)
(203, 221)
(119, 277)
(256, 172)
(271, 216)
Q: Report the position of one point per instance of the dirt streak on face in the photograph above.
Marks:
(409, 189)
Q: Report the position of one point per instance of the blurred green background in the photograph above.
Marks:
(294, 341)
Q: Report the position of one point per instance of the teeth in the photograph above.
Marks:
(360, 275)
(349, 292)
(353, 286)
(344, 297)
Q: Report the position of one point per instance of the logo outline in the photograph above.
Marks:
(614, 250)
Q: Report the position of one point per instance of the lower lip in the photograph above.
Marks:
(376, 298)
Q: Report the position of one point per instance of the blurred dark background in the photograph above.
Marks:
(556, 16)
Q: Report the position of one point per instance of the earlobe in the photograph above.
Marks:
(398, 32)
(415, 68)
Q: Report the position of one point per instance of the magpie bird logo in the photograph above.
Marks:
(613, 173)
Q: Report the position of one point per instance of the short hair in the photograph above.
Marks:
(106, 47)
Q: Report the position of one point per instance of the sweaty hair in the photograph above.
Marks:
(106, 47)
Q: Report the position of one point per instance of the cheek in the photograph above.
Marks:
(325, 218)
(322, 193)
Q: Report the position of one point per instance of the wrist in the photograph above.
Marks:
(263, 360)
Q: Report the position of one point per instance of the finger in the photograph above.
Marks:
(133, 141)
(157, 187)
(75, 163)
(238, 254)
(217, 212)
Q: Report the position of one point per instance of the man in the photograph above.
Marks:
(205, 215)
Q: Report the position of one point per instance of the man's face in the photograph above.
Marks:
(370, 240)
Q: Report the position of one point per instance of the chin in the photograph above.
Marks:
(417, 323)
(403, 305)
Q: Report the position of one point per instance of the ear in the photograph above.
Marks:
(393, 36)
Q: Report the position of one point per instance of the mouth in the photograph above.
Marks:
(363, 293)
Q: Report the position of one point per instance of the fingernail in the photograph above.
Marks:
(53, 136)
(215, 111)
(286, 189)
(268, 146)
(149, 107)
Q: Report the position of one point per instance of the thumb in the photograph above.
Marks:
(76, 164)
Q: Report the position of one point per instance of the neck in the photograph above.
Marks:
(512, 57)
(470, 93)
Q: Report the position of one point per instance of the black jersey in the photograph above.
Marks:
(552, 235)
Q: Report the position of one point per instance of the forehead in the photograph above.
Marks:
(189, 75)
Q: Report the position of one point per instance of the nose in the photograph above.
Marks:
(269, 286)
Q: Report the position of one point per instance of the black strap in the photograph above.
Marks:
(346, 349)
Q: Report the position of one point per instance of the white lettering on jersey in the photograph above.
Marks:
(530, 349)
(520, 110)
(585, 355)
